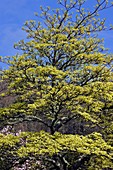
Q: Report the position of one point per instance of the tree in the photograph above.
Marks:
(63, 77)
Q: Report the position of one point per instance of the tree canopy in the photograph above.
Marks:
(64, 81)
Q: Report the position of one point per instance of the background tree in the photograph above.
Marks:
(62, 80)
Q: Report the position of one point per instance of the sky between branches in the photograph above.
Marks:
(13, 14)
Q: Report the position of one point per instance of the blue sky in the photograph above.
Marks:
(13, 14)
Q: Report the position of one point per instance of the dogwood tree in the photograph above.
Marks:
(63, 77)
